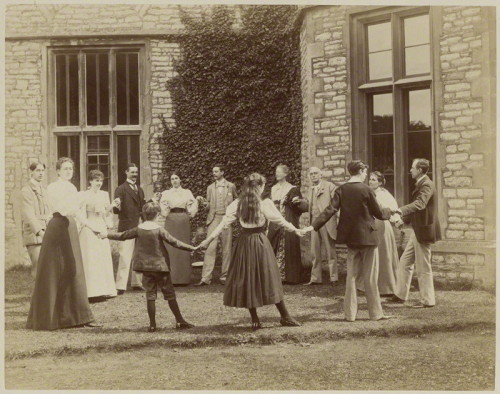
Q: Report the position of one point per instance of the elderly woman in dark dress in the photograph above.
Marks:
(286, 245)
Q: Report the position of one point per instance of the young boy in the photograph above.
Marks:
(150, 257)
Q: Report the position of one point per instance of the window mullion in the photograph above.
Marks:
(112, 88)
(82, 91)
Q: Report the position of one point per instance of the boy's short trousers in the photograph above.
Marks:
(152, 280)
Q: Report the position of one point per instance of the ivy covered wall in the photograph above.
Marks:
(236, 98)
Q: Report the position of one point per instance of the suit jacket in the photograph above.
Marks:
(131, 206)
(150, 253)
(324, 194)
(35, 213)
(423, 212)
(229, 193)
(358, 207)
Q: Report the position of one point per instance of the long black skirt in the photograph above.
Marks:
(253, 278)
(60, 295)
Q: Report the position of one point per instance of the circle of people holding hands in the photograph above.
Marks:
(65, 233)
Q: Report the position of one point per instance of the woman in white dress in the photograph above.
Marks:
(178, 205)
(387, 248)
(96, 252)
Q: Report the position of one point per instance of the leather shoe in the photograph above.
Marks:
(138, 288)
(256, 326)
(386, 317)
(93, 325)
(289, 322)
(311, 284)
(420, 306)
(120, 292)
(396, 300)
(201, 284)
(183, 325)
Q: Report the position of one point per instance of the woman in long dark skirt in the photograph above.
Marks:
(286, 245)
(179, 206)
(60, 295)
(253, 278)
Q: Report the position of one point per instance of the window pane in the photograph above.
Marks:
(127, 88)
(382, 137)
(97, 83)
(380, 65)
(419, 110)
(382, 116)
(67, 100)
(128, 152)
(418, 60)
(98, 156)
(379, 37)
(382, 155)
(134, 88)
(69, 146)
(417, 30)
(73, 91)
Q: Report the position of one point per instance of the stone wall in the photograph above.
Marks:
(464, 133)
(464, 87)
(24, 131)
(163, 55)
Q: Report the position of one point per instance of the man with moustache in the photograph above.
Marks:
(131, 197)
(35, 213)
(422, 212)
(321, 193)
(220, 194)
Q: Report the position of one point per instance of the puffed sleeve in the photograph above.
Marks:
(272, 214)
(108, 218)
(192, 204)
(165, 208)
(228, 219)
(386, 200)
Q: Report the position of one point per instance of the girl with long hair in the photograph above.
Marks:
(254, 278)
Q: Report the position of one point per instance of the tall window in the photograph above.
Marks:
(392, 101)
(95, 115)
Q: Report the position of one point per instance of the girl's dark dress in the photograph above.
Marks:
(253, 278)
(286, 245)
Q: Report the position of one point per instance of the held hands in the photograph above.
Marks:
(396, 211)
(399, 224)
(204, 244)
(302, 232)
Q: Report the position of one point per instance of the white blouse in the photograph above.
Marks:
(64, 198)
(279, 191)
(386, 200)
(96, 202)
(178, 198)
(268, 211)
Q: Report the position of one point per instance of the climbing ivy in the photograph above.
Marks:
(236, 97)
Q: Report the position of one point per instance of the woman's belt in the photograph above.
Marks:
(253, 230)
(177, 210)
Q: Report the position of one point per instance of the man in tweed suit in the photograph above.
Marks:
(220, 194)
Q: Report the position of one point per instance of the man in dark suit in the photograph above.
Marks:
(422, 212)
(356, 228)
(131, 198)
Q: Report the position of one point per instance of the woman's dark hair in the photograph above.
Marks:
(150, 210)
(95, 174)
(355, 166)
(249, 204)
(380, 177)
(35, 164)
(63, 160)
(284, 168)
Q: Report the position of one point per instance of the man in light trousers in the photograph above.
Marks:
(220, 194)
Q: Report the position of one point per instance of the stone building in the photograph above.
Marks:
(384, 84)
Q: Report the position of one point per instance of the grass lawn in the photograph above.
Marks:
(461, 360)
(318, 308)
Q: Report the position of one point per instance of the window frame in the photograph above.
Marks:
(83, 130)
(362, 87)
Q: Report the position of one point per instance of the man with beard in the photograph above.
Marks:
(131, 198)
